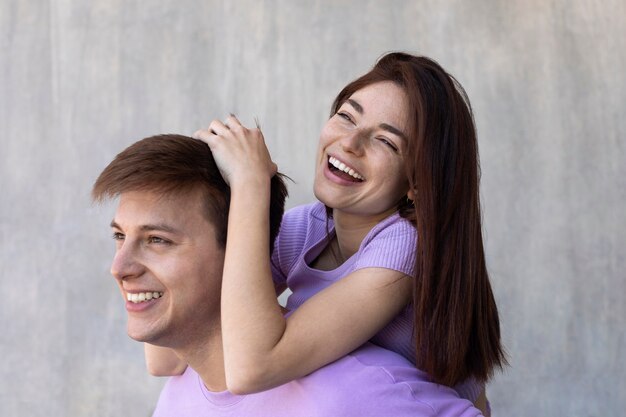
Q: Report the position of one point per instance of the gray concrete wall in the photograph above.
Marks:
(80, 80)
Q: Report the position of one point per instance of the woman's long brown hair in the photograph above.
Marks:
(457, 329)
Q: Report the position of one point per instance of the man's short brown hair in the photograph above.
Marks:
(172, 164)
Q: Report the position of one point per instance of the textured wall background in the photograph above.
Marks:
(80, 80)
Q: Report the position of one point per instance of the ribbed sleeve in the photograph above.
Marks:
(290, 242)
(391, 244)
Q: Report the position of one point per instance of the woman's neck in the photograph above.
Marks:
(351, 229)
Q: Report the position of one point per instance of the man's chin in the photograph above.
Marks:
(141, 334)
(157, 337)
(139, 337)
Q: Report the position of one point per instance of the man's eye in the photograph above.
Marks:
(158, 240)
(117, 236)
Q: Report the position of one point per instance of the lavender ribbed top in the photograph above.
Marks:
(390, 244)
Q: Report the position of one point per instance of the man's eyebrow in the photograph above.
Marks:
(161, 227)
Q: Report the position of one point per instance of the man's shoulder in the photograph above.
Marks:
(371, 381)
(371, 363)
(375, 381)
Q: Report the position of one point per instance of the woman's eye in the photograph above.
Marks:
(389, 143)
(344, 115)
(117, 236)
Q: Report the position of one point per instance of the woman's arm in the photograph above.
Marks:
(261, 353)
(262, 349)
(162, 361)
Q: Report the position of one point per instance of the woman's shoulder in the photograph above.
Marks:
(315, 210)
(395, 228)
(303, 215)
(390, 244)
(300, 225)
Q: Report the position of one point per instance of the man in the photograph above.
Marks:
(170, 232)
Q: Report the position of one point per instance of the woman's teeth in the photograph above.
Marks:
(343, 167)
(140, 297)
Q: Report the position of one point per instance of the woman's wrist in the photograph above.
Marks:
(256, 184)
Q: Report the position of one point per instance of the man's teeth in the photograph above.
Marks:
(342, 167)
(140, 297)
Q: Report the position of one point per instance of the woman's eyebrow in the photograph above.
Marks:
(393, 130)
(384, 126)
(356, 105)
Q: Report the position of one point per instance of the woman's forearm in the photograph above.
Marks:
(252, 320)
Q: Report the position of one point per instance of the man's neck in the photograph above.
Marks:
(207, 359)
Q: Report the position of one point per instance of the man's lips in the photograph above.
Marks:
(140, 297)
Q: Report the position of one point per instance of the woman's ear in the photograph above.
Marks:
(411, 195)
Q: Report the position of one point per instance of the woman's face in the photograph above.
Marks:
(360, 162)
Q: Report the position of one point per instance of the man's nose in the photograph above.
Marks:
(125, 263)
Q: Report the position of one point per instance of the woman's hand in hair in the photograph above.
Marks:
(240, 153)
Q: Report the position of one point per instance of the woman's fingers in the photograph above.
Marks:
(239, 152)
(232, 122)
(230, 128)
(219, 128)
(203, 134)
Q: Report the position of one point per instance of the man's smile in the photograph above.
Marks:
(141, 297)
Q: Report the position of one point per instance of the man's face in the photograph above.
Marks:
(168, 266)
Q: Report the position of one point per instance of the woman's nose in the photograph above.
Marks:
(353, 142)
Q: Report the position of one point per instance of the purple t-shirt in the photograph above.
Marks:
(371, 381)
(390, 244)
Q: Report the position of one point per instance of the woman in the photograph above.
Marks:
(397, 159)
